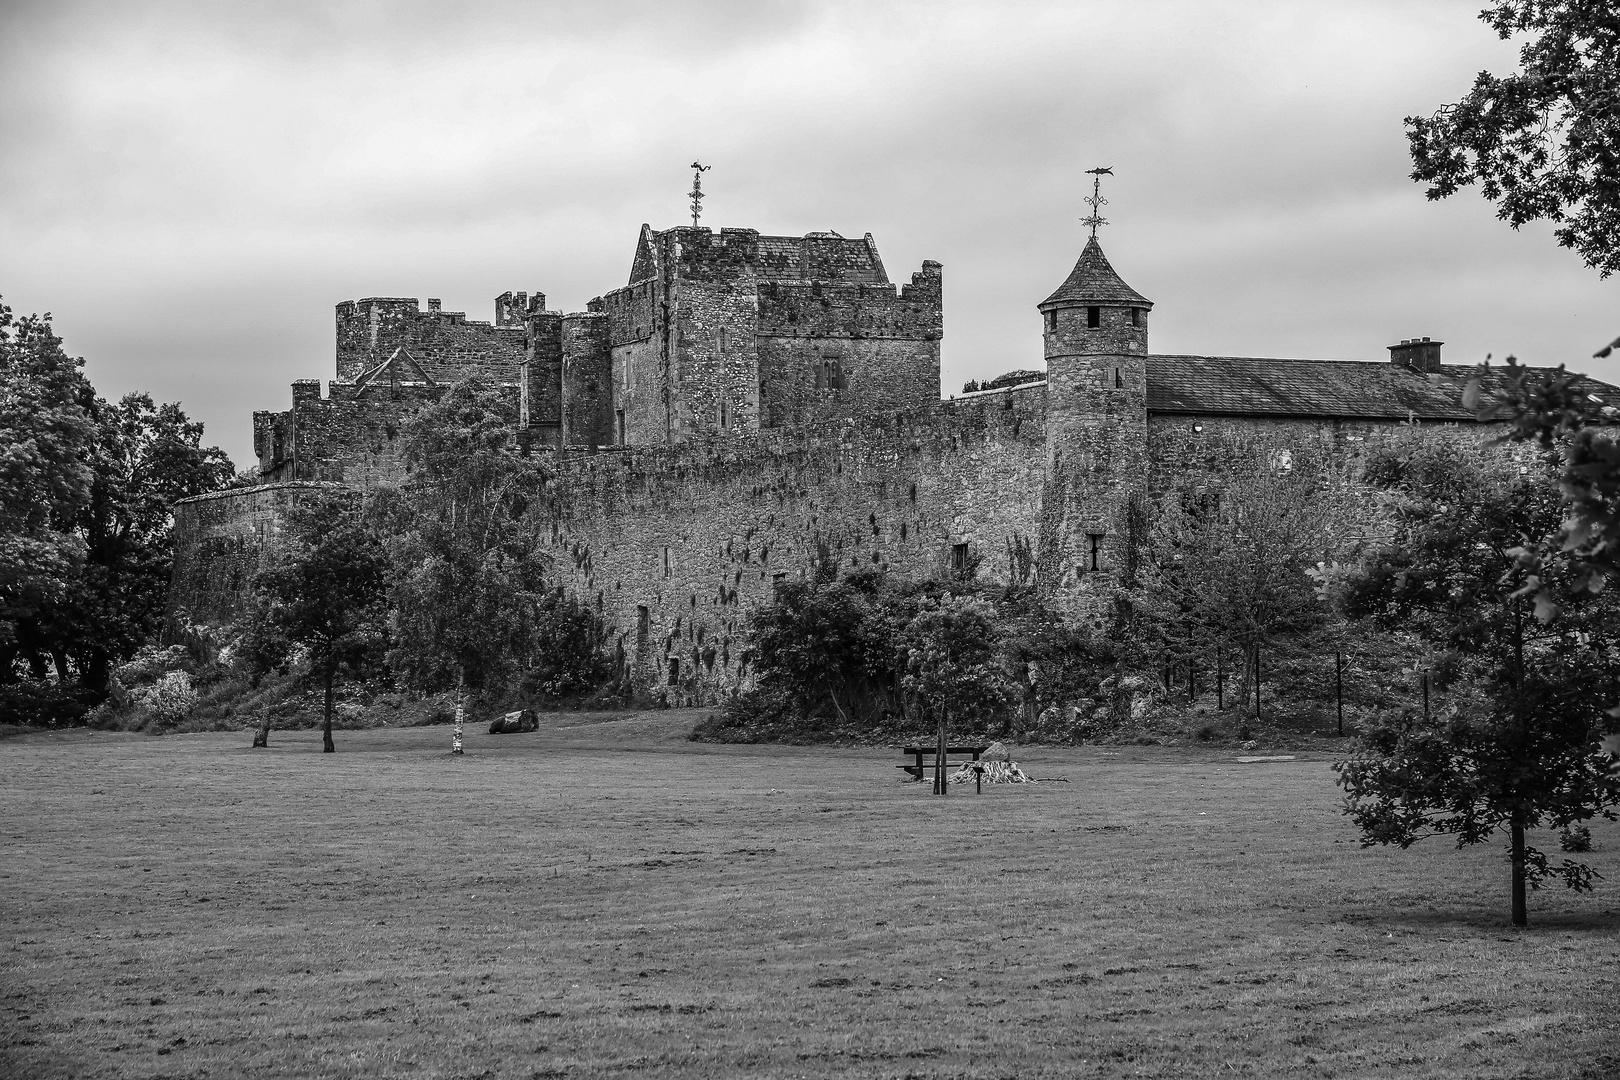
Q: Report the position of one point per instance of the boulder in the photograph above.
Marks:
(513, 723)
(996, 752)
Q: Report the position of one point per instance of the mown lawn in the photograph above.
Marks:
(605, 899)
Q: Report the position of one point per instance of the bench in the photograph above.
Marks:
(964, 755)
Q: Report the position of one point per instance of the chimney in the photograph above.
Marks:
(1417, 354)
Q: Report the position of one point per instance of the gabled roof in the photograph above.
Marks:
(400, 366)
(1257, 386)
(1093, 281)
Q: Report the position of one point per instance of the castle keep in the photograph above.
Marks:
(716, 335)
(748, 407)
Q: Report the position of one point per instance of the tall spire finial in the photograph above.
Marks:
(1096, 201)
(697, 190)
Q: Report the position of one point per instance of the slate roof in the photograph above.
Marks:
(1093, 281)
(1256, 386)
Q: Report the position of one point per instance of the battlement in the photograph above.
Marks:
(446, 344)
(855, 309)
(699, 254)
(515, 309)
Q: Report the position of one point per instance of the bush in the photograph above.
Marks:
(1576, 838)
(169, 700)
(42, 703)
(765, 714)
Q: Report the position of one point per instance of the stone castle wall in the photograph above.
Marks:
(675, 546)
(350, 436)
(445, 343)
(222, 539)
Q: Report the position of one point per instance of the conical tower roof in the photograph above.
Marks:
(1093, 281)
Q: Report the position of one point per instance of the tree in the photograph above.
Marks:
(567, 652)
(1543, 142)
(46, 441)
(814, 641)
(86, 488)
(147, 456)
(466, 579)
(1557, 411)
(953, 666)
(328, 593)
(1514, 750)
(1232, 566)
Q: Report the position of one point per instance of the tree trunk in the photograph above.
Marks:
(1521, 915)
(1026, 703)
(461, 693)
(98, 671)
(261, 735)
(326, 723)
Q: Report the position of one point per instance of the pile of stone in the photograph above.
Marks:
(998, 768)
(513, 723)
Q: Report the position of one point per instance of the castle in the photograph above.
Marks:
(749, 407)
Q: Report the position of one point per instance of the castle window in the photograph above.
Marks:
(1096, 540)
(959, 557)
(1136, 316)
(1119, 381)
(674, 670)
(1051, 319)
(621, 427)
(643, 621)
(725, 415)
(1093, 317)
(666, 562)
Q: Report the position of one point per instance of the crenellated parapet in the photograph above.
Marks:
(447, 344)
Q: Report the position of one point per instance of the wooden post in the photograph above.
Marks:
(939, 759)
(1338, 687)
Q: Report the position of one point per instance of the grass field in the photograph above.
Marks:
(604, 898)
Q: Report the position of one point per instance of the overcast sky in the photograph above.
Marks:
(191, 188)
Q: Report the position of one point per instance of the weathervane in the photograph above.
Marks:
(1096, 201)
(697, 190)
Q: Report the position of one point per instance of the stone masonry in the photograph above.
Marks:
(749, 407)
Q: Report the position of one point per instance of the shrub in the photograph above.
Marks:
(42, 703)
(169, 700)
(1576, 838)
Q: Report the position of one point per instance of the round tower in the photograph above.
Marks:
(1096, 445)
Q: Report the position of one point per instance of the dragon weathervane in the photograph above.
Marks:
(1095, 200)
(697, 190)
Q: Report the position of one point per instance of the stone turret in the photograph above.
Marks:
(1096, 364)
